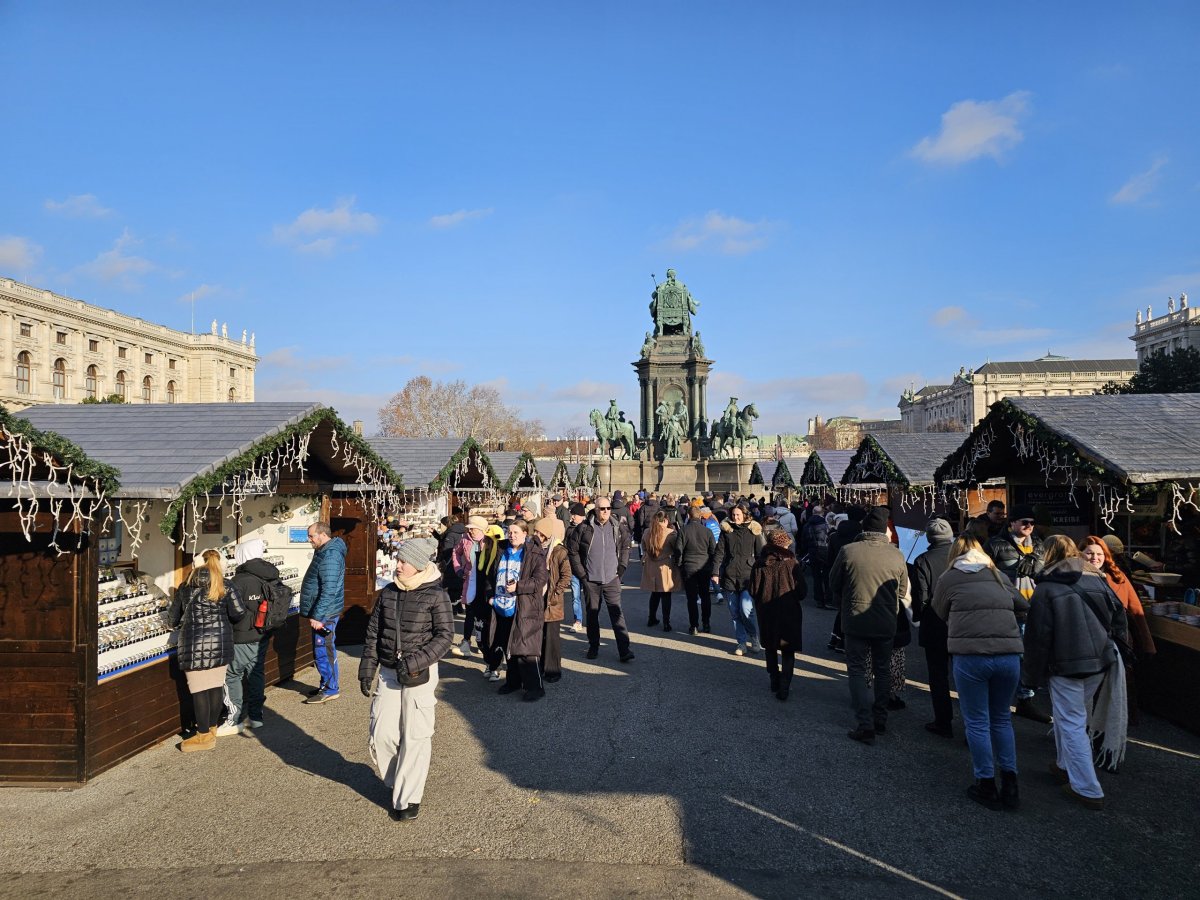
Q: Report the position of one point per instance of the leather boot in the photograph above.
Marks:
(204, 740)
(984, 792)
(1010, 797)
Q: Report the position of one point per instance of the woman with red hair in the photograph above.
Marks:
(1096, 552)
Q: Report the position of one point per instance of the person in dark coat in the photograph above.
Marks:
(455, 531)
(846, 533)
(620, 511)
(410, 629)
(204, 610)
(814, 543)
(739, 546)
(549, 532)
(599, 552)
(524, 572)
(245, 707)
(924, 573)
(777, 585)
(697, 546)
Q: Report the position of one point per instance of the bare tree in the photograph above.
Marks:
(432, 409)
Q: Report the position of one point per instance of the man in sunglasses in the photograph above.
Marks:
(1018, 553)
(599, 552)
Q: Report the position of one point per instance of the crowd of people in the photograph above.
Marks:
(1009, 612)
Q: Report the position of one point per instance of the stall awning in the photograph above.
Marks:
(826, 467)
(904, 461)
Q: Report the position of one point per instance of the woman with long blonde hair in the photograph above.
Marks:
(980, 606)
(204, 609)
(660, 567)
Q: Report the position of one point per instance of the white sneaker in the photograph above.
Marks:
(738, 651)
(493, 676)
(466, 648)
(577, 628)
(255, 723)
(488, 673)
(456, 649)
(225, 729)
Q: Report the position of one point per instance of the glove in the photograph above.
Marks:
(366, 684)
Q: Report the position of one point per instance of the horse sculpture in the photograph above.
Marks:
(614, 436)
(725, 439)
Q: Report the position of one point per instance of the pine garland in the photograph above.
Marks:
(524, 463)
(783, 476)
(871, 465)
(815, 472)
(443, 477)
(105, 477)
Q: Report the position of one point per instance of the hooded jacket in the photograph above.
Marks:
(205, 627)
(1072, 616)
(408, 629)
(697, 546)
(925, 571)
(980, 608)
(814, 539)
(737, 550)
(867, 579)
(323, 591)
(249, 579)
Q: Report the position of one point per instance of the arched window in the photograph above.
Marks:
(232, 397)
(60, 379)
(121, 385)
(170, 392)
(147, 389)
(23, 372)
(89, 382)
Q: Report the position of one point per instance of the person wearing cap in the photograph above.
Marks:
(550, 533)
(1019, 554)
(599, 553)
(932, 634)
(410, 629)
(578, 514)
(559, 508)
(867, 579)
(474, 560)
(249, 642)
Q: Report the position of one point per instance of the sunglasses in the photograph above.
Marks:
(1026, 522)
(603, 508)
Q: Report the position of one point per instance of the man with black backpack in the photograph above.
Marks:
(267, 599)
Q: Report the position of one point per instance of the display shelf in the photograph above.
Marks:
(131, 622)
(120, 660)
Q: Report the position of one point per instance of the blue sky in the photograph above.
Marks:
(861, 195)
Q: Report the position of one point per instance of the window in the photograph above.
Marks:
(232, 396)
(23, 372)
(26, 330)
(60, 379)
(170, 364)
(61, 338)
(147, 389)
(122, 352)
(170, 391)
(93, 346)
(121, 385)
(89, 382)
(232, 373)
(149, 359)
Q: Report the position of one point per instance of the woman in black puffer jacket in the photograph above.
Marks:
(739, 546)
(203, 610)
(410, 629)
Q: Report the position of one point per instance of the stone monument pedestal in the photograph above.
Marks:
(677, 476)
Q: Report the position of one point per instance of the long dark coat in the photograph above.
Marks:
(530, 616)
(777, 586)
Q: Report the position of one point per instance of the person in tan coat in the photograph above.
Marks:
(660, 567)
(551, 532)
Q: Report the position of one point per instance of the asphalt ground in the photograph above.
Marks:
(676, 775)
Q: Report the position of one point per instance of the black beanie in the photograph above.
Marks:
(876, 520)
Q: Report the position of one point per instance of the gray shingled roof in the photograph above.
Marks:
(417, 460)
(765, 469)
(932, 389)
(546, 468)
(1045, 366)
(834, 461)
(1144, 438)
(789, 465)
(159, 448)
(916, 456)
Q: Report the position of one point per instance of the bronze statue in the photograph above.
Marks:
(672, 307)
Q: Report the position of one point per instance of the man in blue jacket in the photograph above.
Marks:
(322, 599)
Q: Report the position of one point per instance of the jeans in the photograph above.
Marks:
(248, 663)
(325, 656)
(879, 651)
(745, 622)
(985, 689)
(577, 600)
(1071, 698)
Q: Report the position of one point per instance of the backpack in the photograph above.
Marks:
(274, 607)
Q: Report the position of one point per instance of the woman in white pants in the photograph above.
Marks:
(410, 629)
(1075, 623)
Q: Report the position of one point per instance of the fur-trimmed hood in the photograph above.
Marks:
(755, 528)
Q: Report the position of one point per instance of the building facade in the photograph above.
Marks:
(55, 349)
(963, 403)
(1176, 330)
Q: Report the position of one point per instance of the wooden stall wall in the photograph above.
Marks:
(44, 598)
(356, 526)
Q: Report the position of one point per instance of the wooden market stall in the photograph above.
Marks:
(440, 474)
(823, 471)
(194, 477)
(1127, 465)
(519, 477)
(554, 474)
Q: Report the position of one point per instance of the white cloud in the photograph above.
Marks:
(1140, 185)
(949, 315)
(118, 264)
(319, 231)
(78, 206)
(962, 327)
(725, 234)
(975, 128)
(450, 220)
(18, 254)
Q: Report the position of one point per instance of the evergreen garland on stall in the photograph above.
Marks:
(459, 459)
(105, 477)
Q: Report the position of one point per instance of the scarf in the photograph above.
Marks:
(973, 561)
(1108, 721)
(428, 575)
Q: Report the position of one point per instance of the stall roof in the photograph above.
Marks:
(1130, 438)
(96, 474)
(901, 459)
(548, 468)
(826, 466)
(763, 471)
(785, 472)
(510, 466)
(424, 462)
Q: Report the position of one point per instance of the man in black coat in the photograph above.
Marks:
(454, 533)
(923, 575)
(697, 546)
(599, 552)
(249, 642)
(846, 533)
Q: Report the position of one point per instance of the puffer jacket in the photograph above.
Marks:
(867, 579)
(980, 612)
(525, 639)
(409, 630)
(814, 539)
(249, 580)
(205, 627)
(697, 544)
(924, 573)
(1068, 634)
(323, 591)
(737, 550)
(1004, 553)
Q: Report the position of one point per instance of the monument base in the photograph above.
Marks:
(678, 476)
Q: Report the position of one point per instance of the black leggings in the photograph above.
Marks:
(209, 706)
(665, 597)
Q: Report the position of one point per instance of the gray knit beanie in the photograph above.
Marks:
(938, 529)
(417, 552)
